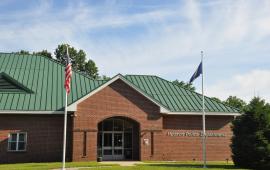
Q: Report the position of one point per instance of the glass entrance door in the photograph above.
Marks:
(107, 146)
(113, 146)
(118, 146)
(115, 139)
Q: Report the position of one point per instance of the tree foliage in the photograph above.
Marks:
(22, 52)
(78, 59)
(216, 99)
(251, 140)
(185, 85)
(91, 69)
(44, 53)
(235, 102)
(104, 77)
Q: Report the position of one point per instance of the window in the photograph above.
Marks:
(17, 141)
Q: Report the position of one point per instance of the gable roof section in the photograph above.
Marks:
(118, 77)
(9, 85)
(175, 98)
(45, 78)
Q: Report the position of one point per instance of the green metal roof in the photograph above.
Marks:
(9, 85)
(174, 97)
(45, 77)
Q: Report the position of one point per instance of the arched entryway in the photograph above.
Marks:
(118, 139)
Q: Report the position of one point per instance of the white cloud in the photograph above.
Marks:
(245, 86)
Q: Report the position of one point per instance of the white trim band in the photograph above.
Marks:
(30, 112)
(206, 113)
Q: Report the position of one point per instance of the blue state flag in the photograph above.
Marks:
(197, 73)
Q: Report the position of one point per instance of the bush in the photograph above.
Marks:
(251, 136)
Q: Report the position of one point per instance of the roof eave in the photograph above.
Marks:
(200, 113)
(33, 112)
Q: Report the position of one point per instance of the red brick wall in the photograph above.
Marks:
(189, 147)
(44, 137)
(119, 99)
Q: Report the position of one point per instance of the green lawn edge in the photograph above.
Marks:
(145, 165)
(50, 165)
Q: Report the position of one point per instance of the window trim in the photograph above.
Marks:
(17, 141)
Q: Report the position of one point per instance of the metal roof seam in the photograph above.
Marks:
(215, 104)
(199, 94)
(170, 103)
(182, 97)
(145, 94)
(31, 86)
(161, 96)
(24, 81)
(150, 88)
(174, 94)
(9, 63)
(191, 104)
(155, 90)
(175, 107)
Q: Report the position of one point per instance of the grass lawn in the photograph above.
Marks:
(98, 166)
(47, 166)
(173, 166)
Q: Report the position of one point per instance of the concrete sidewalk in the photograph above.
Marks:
(122, 163)
(78, 168)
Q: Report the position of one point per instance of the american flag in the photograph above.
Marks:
(68, 74)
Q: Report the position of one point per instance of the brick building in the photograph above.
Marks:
(131, 117)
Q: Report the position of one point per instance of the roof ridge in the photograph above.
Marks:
(197, 93)
(139, 75)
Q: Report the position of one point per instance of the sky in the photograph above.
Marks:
(153, 37)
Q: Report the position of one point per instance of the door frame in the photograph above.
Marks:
(113, 156)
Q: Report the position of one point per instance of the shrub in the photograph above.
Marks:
(251, 136)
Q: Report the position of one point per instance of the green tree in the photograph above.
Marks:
(251, 136)
(183, 84)
(78, 59)
(61, 51)
(91, 69)
(22, 52)
(216, 99)
(235, 102)
(44, 53)
(104, 77)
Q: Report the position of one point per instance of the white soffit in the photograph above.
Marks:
(206, 113)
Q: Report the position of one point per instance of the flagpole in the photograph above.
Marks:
(65, 131)
(203, 118)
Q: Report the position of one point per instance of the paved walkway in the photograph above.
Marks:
(78, 168)
(122, 163)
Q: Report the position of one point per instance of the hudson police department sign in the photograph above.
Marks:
(194, 134)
